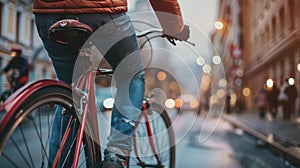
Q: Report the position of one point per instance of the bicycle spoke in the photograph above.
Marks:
(82, 163)
(9, 160)
(20, 151)
(40, 138)
(26, 145)
(43, 152)
(49, 119)
(69, 151)
(41, 134)
(29, 135)
(33, 129)
(73, 124)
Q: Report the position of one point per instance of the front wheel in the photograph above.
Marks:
(154, 144)
(25, 141)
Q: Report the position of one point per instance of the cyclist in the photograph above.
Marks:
(129, 79)
(18, 68)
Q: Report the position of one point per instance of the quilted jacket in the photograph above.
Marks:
(171, 24)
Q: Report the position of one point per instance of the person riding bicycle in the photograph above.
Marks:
(18, 69)
(129, 78)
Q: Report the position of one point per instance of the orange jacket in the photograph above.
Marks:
(171, 24)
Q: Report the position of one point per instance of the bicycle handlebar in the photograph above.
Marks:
(147, 32)
(151, 31)
(103, 71)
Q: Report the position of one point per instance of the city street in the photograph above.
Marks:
(238, 57)
(223, 146)
(227, 147)
(200, 142)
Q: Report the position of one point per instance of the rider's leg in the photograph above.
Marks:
(117, 42)
(125, 59)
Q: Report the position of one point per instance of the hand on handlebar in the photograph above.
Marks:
(182, 36)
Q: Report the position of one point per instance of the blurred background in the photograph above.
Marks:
(243, 49)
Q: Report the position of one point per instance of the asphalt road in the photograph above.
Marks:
(213, 143)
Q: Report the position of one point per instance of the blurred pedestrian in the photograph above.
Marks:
(282, 97)
(261, 103)
(228, 105)
(240, 105)
(291, 92)
(273, 100)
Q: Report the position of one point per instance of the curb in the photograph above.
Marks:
(278, 148)
(286, 140)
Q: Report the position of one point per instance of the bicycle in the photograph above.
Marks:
(24, 137)
(12, 80)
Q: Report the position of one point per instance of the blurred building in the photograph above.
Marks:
(259, 41)
(17, 28)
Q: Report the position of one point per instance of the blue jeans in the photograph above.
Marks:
(116, 40)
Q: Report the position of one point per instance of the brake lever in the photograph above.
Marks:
(191, 43)
(173, 40)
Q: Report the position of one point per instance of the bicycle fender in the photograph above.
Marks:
(17, 98)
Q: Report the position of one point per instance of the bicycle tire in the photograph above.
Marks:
(37, 113)
(163, 138)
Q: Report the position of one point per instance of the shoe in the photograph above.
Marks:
(113, 160)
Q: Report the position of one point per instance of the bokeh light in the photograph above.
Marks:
(161, 76)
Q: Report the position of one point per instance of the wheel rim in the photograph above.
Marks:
(28, 144)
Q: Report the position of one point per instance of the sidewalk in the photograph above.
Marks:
(281, 134)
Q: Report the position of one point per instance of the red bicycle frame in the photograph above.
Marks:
(150, 136)
(85, 88)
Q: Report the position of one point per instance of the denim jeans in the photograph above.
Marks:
(115, 39)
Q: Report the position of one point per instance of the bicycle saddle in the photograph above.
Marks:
(70, 31)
